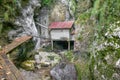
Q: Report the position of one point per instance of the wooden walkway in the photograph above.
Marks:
(8, 71)
(14, 44)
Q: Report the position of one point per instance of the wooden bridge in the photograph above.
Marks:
(14, 44)
(8, 71)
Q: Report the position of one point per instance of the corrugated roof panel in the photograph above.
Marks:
(59, 25)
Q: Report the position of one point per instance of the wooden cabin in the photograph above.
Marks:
(62, 31)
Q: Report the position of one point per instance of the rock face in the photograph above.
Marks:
(63, 10)
(14, 33)
(42, 17)
(26, 21)
(64, 71)
(59, 12)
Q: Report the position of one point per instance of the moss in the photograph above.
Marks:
(28, 65)
(24, 3)
(48, 3)
(69, 56)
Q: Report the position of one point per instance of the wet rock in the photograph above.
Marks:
(28, 65)
(64, 71)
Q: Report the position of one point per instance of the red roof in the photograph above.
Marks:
(61, 25)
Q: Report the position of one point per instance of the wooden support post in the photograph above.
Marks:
(69, 40)
(69, 45)
(52, 44)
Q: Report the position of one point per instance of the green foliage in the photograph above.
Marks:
(1, 27)
(6, 16)
(102, 13)
(96, 7)
(7, 9)
(83, 18)
(69, 56)
(25, 52)
(91, 68)
(7, 12)
(82, 69)
(47, 2)
(78, 69)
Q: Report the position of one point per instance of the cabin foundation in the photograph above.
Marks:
(64, 45)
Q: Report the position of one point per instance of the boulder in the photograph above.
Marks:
(64, 71)
(45, 59)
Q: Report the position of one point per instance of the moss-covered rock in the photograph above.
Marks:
(28, 65)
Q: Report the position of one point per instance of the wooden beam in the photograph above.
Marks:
(69, 40)
(42, 25)
(69, 45)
